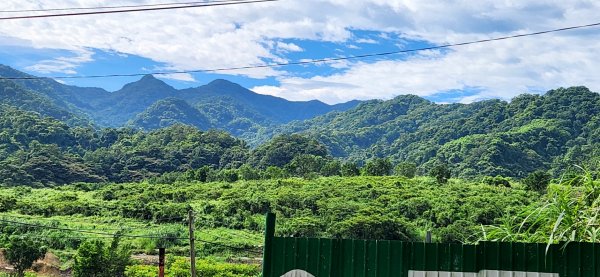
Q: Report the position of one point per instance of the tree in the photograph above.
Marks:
(22, 251)
(90, 259)
(537, 180)
(406, 169)
(496, 181)
(95, 259)
(332, 168)
(305, 164)
(378, 167)
(246, 172)
(350, 169)
(441, 173)
(282, 149)
(273, 172)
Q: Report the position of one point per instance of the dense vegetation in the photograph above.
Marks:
(40, 151)
(527, 171)
(232, 214)
(550, 132)
(531, 132)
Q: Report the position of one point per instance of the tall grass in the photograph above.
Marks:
(568, 212)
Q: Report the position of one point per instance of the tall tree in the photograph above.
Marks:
(378, 167)
(22, 251)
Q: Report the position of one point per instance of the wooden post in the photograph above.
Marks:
(192, 246)
(161, 262)
(428, 236)
(268, 248)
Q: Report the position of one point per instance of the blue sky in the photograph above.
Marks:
(290, 31)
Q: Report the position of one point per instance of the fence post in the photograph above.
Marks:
(161, 262)
(268, 245)
(192, 246)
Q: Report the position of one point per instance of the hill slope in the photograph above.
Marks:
(489, 137)
(168, 112)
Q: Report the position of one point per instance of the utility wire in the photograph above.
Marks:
(209, 4)
(87, 231)
(54, 220)
(127, 236)
(120, 7)
(313, 61)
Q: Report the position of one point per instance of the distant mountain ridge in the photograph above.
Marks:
(225, 105)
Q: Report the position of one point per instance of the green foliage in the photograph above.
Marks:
(406, 169)
(365, 206)
(567, 212)
(332, 168)
(378, 167)
(537, 181)
(496, 181)
(170, 111)
(305, 164)
(281, 150)
(180, 267)
(350, 169)
(441, 173)
(95, 259)
(487, 138)
(22, 251)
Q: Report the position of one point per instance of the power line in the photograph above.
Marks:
(119, 7)
(54, 220)
(313, 61)
(250, 250)
(209, 4)
(85, 231)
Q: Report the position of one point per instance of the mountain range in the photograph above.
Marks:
(150, 103)
(553, 131)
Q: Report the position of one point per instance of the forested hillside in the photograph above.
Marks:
(42, 151)
(493, 137)
(550, 132)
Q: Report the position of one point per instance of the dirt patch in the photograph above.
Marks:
(49, 266)
(146, 259)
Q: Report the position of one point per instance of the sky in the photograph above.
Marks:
(297, 30)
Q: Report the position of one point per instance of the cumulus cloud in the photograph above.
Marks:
(500, 70)
(218, 37)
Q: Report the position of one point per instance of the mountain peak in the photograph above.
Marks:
(225, 84)
(148, 77)
(149, 82)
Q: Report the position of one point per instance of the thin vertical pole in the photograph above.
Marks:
(161, 262)
(192, 246)
(268, 245)
(428, 236)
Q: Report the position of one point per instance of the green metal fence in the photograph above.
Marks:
(341, 257)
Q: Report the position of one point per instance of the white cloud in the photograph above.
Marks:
(288, 47)
(219, 37)
(65, 65)
(186, 77)
(366, 41)
(501, 70)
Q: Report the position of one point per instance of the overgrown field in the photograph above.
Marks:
(230, 216)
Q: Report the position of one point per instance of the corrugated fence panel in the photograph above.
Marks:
(370, 258)
(314, 257)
